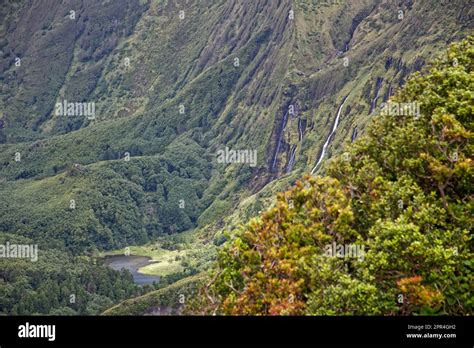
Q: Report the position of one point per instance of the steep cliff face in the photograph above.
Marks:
(361, 50)
(54, 50)
(169, 80)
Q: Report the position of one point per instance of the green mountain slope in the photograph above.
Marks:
(174, 82)
(240, 107)
(387, 231)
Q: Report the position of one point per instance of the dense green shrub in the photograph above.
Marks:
(403, 193)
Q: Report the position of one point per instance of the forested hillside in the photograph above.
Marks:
(402, 194)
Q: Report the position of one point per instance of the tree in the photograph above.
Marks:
(401, 194)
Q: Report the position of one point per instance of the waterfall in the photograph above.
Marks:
(326, 144)
(280, 135)
(291, 161)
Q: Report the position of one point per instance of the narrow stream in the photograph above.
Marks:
(291, 162)
(279, 139)
(378, 85)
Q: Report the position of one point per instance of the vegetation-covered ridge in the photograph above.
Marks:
(172, 83)
(167, 301)
(387, 230)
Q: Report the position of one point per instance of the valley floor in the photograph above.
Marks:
(174, 256)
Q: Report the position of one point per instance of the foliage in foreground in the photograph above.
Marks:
(402, 194)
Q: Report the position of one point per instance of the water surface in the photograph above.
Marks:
(132, 263)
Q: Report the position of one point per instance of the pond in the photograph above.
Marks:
(132, 263)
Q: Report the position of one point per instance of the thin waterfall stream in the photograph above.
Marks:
(328, 140)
